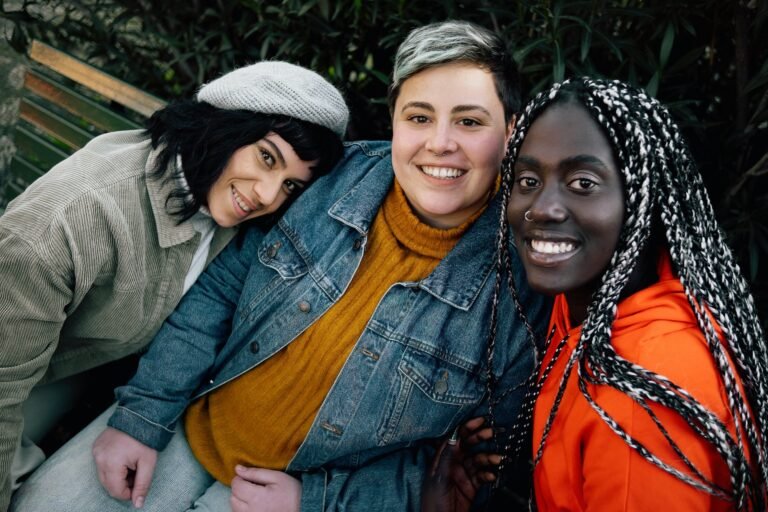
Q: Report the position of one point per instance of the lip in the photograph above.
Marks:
(547, 259)
(439, 179)
(238, 210)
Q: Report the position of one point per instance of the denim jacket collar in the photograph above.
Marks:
(458, 279)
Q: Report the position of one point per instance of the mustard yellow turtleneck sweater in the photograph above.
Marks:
(261, 418)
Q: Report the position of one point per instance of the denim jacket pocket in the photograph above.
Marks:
(278, 252)
(427, 398)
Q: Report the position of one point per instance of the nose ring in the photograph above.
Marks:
(527, 216)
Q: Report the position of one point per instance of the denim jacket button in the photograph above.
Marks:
(304, 306)
(254, 346)
(272, 251)
(358, 244)
(441, 386)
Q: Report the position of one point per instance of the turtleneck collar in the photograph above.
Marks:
(414, 234)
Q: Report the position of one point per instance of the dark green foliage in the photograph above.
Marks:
(706, 59)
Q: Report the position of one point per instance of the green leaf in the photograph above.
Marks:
(666, 45)
(653, 85)
(558, 66)
(520, 54)
(586, 42)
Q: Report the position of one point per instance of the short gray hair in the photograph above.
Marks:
(457, 41)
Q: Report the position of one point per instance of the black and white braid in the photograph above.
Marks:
(661, 181)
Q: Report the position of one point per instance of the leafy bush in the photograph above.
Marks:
(706, 59)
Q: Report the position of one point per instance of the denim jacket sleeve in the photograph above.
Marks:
(391, 482)
(182, 355)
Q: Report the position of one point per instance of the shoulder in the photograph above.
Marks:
(104, 176)
(683, 356)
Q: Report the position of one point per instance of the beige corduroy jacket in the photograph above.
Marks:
(91, 263)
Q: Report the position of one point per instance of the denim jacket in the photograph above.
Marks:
(416, 372)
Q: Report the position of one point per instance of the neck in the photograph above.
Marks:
(642, 277)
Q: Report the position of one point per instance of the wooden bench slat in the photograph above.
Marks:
(74, 102)
(23, 173)
(36, 149)
(53, 124)
(102, 83)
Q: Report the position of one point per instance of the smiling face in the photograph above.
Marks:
(566, 177)
(257, 180)
(448, 140)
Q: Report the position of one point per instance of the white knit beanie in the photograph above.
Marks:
(274, 87)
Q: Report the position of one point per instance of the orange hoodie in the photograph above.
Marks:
(587, 467)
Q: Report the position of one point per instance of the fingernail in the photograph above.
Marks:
(238, 467)
(139, 502)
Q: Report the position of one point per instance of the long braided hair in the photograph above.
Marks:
(663, 187)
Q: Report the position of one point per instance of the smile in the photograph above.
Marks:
(552, 247)
(443, 173)
(243, 203)
(550, 252)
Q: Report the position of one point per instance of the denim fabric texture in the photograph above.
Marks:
(416, 372)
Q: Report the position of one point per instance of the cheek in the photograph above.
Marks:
(516, 208)
(404, 143)
(488, 152)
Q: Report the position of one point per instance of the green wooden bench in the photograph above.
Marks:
(66, 103)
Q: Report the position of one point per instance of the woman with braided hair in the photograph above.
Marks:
(651, 389)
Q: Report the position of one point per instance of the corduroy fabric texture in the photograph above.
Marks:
(275, 87)
(261, 418)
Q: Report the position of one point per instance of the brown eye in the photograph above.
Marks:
(582, 184)
(526, 182)
(418, 119)
(267, 157)
(290, 186)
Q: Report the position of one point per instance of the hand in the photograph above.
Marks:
(264, 490)
(124, 465)
(455, 476)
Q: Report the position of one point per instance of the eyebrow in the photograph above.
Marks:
(457, 109)
(585, 159)
(577, 159)
(276, 150)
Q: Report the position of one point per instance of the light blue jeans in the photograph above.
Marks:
(67, 482)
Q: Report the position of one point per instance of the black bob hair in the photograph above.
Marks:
(206, 137)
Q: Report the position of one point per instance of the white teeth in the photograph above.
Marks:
(240, 202)
(442, 172)
(552, 247)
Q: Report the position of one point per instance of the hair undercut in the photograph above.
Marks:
(457, 41)
(205, 138)
(664, 187)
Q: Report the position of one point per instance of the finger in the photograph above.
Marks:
(142, 479)
(478, 436)
(244, 489)
(489, 461)
(115, 481)
(471, 425)
(237, 505)
(259, 476)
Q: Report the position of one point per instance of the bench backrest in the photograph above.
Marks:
(66, 103)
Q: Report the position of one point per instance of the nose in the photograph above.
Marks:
(547, 206)
(268, 189)
(441, 140)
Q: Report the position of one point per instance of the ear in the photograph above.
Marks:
(510, 129)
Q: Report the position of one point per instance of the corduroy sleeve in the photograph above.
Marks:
(33, 298)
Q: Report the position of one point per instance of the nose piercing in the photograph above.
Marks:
(527, 216)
